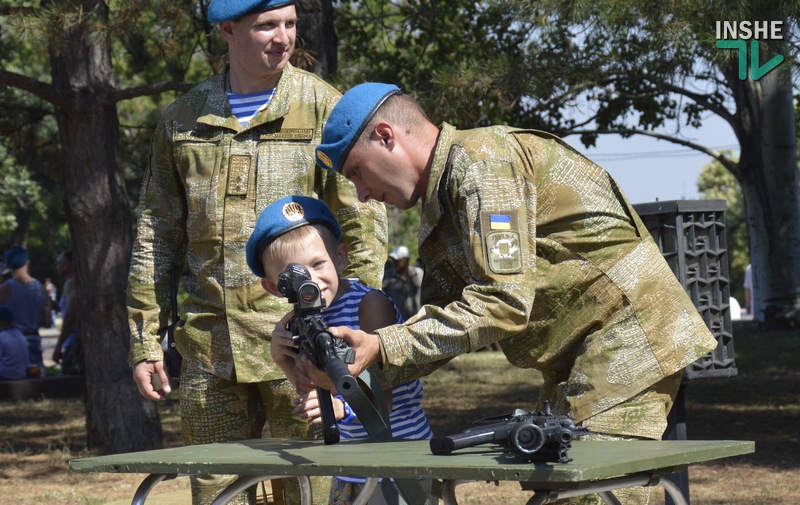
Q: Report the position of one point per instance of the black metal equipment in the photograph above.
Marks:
(540, 436)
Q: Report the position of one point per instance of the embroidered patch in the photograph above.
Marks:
(238, 174)
(504, 252)
(499, 221)
(503, 241)
(290, 134)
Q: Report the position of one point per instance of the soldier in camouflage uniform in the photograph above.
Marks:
(529, 244)
(208, 179)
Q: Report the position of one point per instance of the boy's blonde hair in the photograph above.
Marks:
(298, 239)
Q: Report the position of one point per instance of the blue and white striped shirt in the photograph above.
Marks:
(407, 417)
(244, 107)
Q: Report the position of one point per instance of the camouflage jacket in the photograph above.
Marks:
(530, 244)
(207, 181)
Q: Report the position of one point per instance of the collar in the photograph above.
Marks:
(217, 109)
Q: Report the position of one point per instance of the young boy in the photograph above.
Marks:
(303, 230)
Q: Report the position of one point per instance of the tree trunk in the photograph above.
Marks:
(769, 180)
(316, 36)
(118, 419)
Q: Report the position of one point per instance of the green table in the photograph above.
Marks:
(597, 467)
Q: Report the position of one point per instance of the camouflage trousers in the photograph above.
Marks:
(643, 417)
(218, 410)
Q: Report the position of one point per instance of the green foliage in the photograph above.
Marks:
(461, 61)
(19, 194)
(152, 42)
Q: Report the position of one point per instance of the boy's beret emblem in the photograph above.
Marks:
(293, 211)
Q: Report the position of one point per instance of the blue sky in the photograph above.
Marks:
(648, 170)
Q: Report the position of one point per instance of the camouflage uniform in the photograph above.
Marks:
(207, 181)
(529, 244)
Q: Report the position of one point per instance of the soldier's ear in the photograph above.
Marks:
(270, 287)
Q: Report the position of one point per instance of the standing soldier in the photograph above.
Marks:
(220, 154)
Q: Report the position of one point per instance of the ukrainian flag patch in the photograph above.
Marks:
(503, 240)
(499, 222)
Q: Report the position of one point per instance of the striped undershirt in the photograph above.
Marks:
(245, 106)
(407, 418)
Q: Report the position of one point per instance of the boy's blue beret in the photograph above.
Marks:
(6, 314)
(226, 10)
(283, 216)
(348, 119)
(16, 257)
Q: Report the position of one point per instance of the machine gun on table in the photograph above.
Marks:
(541, 436)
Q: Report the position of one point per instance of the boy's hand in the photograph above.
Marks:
(307, 407)
(282, 348)
(308, 376)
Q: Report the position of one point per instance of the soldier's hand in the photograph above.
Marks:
(367, 347)
(151, 379)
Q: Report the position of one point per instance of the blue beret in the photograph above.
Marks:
(348, 119)
(283, 216)
(226, 10)
(16, 257)
(6, 314)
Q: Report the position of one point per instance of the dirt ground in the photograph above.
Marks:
(762, 403)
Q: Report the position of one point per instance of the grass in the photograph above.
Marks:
(762, 403)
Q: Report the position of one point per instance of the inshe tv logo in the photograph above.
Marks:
(734, 35)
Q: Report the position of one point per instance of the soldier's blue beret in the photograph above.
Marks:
(6, 314)
(226, 10)
(283, 216)
(348, 119)
(16, 257)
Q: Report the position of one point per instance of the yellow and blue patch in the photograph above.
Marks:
(499, 222)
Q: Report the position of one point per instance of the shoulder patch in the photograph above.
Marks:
(502, 241)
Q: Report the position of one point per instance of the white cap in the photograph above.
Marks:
(399, 252)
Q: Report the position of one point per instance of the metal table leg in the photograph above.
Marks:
(246, 481)
(603, 488)
(366, 491)
(147, 485)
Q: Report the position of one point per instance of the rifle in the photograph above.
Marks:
(310, 334)
(541, 436)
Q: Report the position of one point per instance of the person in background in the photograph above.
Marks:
(749, 298)
(29, 302)
(13, 347)
(5, 272)
(220, 154)
(52, 295)
(403, 286)
(302, 230)
(68, 345)
(526, 243)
